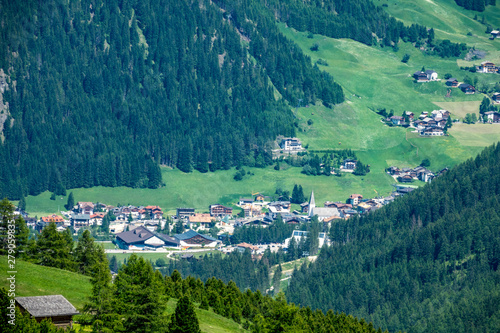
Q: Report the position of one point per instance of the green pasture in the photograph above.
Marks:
(35, 280)
(477, 135)
(460, 109)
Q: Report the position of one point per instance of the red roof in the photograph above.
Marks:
(52, 218)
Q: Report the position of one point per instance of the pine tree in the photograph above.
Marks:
(184, 318)
(71, 202)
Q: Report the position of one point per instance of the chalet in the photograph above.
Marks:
(467, 88)
(291, 144)
(354, 199)
(96, 218)
(397, 120)
(85, 207)
(53, 307)
(495, 34)
(141, 238)
(493, 116)
(188, 257)
(192, 238)
(220, 210)
(432, 131)
(349, 164)
(304, 207)
(182, 213)
(59, 221)
(283, 204)
(203, 219)
(420, 76)
(496, 97)
(292, 220)
(259, 197)
(452, 82)
(487, 67)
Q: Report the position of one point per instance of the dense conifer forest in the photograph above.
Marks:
(103, 92)
(477, 5)
(428, 262)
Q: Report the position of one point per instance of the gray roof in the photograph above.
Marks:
(47, 306)
(191, 233)
(81, 217)
(141, 234)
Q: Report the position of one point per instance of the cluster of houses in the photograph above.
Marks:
(408, 175)
(466, 88)
(431, 124)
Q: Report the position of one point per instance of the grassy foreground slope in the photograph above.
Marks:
(35, 280)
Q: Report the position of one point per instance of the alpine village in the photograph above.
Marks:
(259, 166)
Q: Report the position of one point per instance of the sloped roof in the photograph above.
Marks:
(191, 233)
(139, 234)
(47, 306)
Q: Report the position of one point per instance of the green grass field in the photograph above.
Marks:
(34, 280)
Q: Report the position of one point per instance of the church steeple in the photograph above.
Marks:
(312, 205)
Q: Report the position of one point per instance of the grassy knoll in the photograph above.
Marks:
(35, 280)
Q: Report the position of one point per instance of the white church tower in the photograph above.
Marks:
(312, 205)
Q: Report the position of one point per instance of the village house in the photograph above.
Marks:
(85, 207)
(182, 213)
(432, 131)
(220, 210)
(298, 235)
(80, 221)
(495, 34)
(496, 97)
(243, 246)
(428, 75)
(410, 115)
(56, 308)
(349, 164)
(251, 210)
(291, 144)
(46, 220)
(205, 220)
(452, 82)
(487, 67)
(493, 116)
(96, 218)
(304, 207)
(467, 88)
(245, 201)
(397, 120)
(354, 199)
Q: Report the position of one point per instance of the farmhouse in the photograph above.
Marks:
(141, 238)
(487, 67)
(54, 307)
(428, 75)
(452, 82)
(431, 75)
(467, 88)
(495, 34)
(291, 144)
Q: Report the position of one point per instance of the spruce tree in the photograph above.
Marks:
(71, 202)
(184, 319)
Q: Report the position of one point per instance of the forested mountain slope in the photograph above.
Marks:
(428, 262)
(102, 92)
